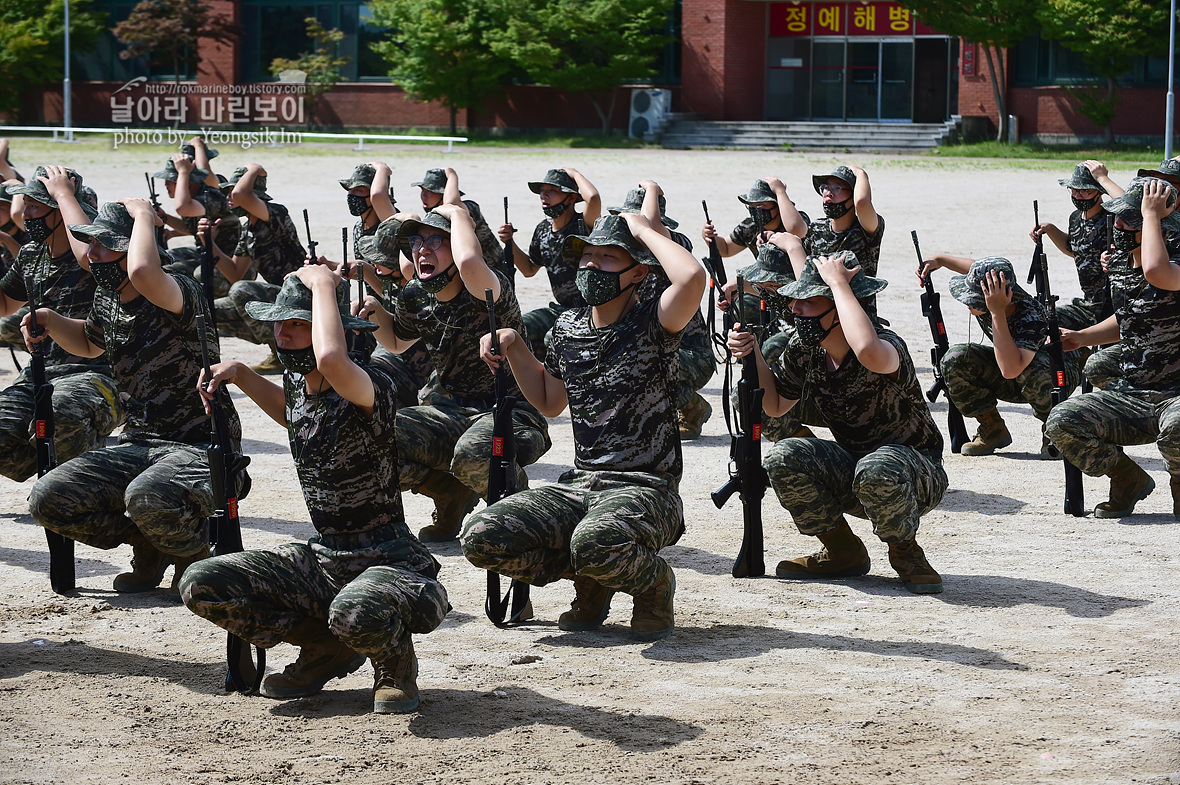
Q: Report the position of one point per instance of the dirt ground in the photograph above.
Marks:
(1047, 659)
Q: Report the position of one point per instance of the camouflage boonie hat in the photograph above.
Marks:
(191, 151)
(812, 284)
(1130, 204)
(412, 225)
(840, 173)
(773, 266)
(294, 302)
(381, 247)
(560, 179)
(1083, 180)
(608, 230)
(35, 189)
(169, 173)
(5, 196)
(362, 176)
(259, 184)
(435, 181)
(112, 227)
(1168, 170)
(968, 289)
(759, 192)
(634, 204)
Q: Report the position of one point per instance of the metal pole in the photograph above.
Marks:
(68, 120)
(1169, 106)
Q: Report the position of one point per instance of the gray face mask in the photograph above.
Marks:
(599, 287)
(300, 361)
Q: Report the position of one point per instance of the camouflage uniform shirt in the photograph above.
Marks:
(863, 409)
(273, 245)
(58, 283)
(451, 331)
(1088, 238)
(821, 240)
(155, 358)
(1149, 326)
(746, 233)
(1028, 324)
(216, 209)
(621, 385)
(545, 251)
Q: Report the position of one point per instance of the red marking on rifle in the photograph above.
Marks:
(498, 446)
(756, 433)
(1061, 378)
(941, 328)
(41, 429)
(231, 506)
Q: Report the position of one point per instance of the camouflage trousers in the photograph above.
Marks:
(86, 409)
(445, 435)
(1091, 429)
(261, 596)
(232, 319)
(10, 329)
(1077, 314)
(101, 498)
(818, 481)
(805, 412)
(401, 368)
(975, 383)
(187, 261)
(1104, 365)
(609, 526)
(537, 326)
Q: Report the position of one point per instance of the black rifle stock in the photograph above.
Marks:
(501, 483)
(225, 529)
(746, 475)
(932, 310)
(1074, 492)
(61, 549)
(311, 244)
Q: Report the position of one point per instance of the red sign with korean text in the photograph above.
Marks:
(787, 19)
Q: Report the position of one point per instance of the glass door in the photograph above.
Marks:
(864, 69)
(827, 80)
(897, 80)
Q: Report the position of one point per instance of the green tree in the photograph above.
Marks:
(170, 31)
(437, 50)
(33, 48)
(321, 65)
(587, 46)
(1109, 34)
(996, 25)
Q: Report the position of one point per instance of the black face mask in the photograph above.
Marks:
(1124, 240)
(599, 287)
(358, 205)
(836, 209)
(811, 331)
(555, 210)
(761, 215)
(1084, 204)
(39, 229)
(109, 275)
(300, 361)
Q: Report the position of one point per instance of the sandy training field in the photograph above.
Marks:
(1047, 659)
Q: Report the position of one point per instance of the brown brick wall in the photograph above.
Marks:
(723, 59)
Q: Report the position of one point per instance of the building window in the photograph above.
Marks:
(275, 28)
(1039, 63)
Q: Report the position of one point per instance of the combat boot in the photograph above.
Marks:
(1129, 485)
(147, 567)
(651, 618)
(452, 501)
(182, 564)
(692, 417)
(271, 364)
(1048, 451)
(991, 436)
(590, 606)
(843, 556)
(322, 657)
(1175, 485)
(916, 573)
(395, 682)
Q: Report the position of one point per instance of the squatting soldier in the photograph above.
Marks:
(151, 490)
(432, 191)
(47, 271)
(1016, 368)
(770, 207)
(446, 443)
(368, 199)
(885, 463)
(696, 361)
(269, 247)
(614, 364)
(1140, 405)
(559, 190)
(12, 237)
(850, 221)
(194, 199)
(362, 584)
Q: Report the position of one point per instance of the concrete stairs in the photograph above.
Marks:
(684, 132)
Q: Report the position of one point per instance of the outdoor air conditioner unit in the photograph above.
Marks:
(649, 109)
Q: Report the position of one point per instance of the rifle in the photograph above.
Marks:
(1074, 498)
(154, 198)
(717, 280)
(508, 263)
(208, 266)
(311, 244)
(61, 549)
(746, 475)
(225, 530)
(501, 483)
(933, 313)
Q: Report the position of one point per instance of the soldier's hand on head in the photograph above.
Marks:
(184, 165)
(507, 337)
(57, 182)
(315, 274)
(997, 292)
(636, 222)
(450, 211)
(740, 341)
(651, 185)
(833, 270)
(379, 166)
(776, 185)
(1159, 199)
(1097, 168)
(139, 209)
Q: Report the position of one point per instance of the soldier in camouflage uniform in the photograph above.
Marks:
(696, 361)
(432, 189)
(368, 199)
(885, 462)
(445, 444)
(1016, 368)
(151, 490)
(770, 207)
(850, 221)
(614, 364)
(559, 190)
(12, 237)
(1142, 404)
(362, 584)
(269, 245)
(47, 272)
